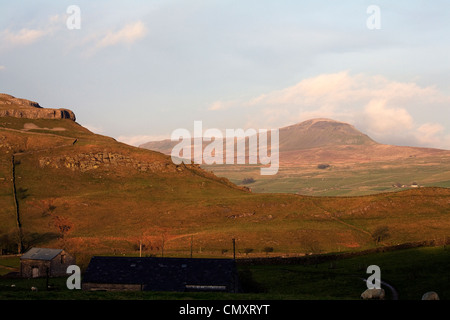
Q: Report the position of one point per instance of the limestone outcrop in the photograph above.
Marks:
(94, 160)
(22, 108)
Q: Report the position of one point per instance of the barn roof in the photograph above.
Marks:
(41, 254)
(162, 274)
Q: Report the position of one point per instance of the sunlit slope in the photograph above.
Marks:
(111, 196)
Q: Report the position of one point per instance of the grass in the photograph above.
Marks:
(412, 272)
(113, 207)
(342, 180)
(9, 264)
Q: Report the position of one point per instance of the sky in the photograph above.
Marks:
(138, 70)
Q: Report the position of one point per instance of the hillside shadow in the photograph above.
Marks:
(247, 283)
(35, 239)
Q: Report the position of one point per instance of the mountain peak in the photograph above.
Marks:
(321, 132)
(315, 121)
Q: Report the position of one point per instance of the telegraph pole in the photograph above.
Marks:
(234, 249)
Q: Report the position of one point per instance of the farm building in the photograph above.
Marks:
(36, 262)
(160, 274)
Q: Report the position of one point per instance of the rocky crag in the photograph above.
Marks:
(22, 108)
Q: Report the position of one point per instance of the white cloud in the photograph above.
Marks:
(217, 105)
(29, 35)
(22, 37)
(128, 34)
(433, 134)
(222, 105)
(96, 41)
(381, 118)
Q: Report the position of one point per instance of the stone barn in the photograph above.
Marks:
(36, 262)
(160, 274)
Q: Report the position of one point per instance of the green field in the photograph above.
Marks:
(341, 179)
(412, 272)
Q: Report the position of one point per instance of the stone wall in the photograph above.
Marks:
(57, 267)
(27, 266)
(87, 286)
(90, 161)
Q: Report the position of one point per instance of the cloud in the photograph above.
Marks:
(389, 111)
(222, 105)
(433, 134)
(381, 118)
(127, 35)
(22, 37)
(96, 41)
(29, 35)
(2, 68)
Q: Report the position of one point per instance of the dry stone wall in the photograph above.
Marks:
(91, 161)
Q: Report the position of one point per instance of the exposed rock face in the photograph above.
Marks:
(22, 108)
(90, 161)
(39, 114)
(10, 100)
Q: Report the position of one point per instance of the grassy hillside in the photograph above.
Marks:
(90, 193)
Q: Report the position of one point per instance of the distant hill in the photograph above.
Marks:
(328, 157)
(321, 133)
(325, 140)
(309, 134)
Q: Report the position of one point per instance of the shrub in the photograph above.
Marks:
(323, 166)
(268, 249)
(380, 233)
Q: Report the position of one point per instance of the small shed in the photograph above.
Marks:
(160, 274)
(37, 262)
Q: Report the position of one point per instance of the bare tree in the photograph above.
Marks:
(64, 227)
(380, 233)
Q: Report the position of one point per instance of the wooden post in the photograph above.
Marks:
(162, 246)
(234, 249)
(192, 240)
(16, 207)
(46, 282)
